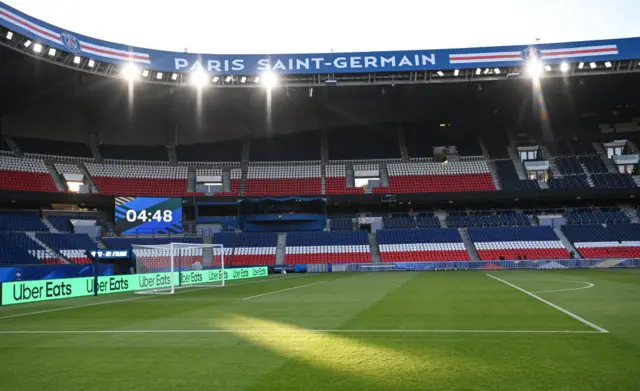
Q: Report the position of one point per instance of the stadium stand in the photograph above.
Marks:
(21, 249)
(63, 222)
(134, 152)
(341, 224)
(438, 177)
(569, 182)
(593, 164)
(613, 181)
(283, 180)
(599, 241)
(517, 243)
(255, 249)
(336, 181)
(25, 174)
(435, 244)
(569, 165)
(53, 147)
(21, 221)
(498, 220)
(509, 177)
(327, 247)
(134, 180)
(597, 217)
(223, 151)
(71, 246)
(295, 147)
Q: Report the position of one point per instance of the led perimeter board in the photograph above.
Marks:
(148, 215)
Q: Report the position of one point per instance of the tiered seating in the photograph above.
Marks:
(126, 243)
(21, 221)
(327, 247)
(597, 217)
(134, 180)
(509, 177)
(223, 151)
(291, 147)
(72, 246)
(160, 260)
(53, 147)
(593, 164)
(569, 182)
(341, 224)
(11, 254)
(517, 243)
(25, 249)
(581, 147)
(283, 180)
(25, 174)
(236, 174)
(135, 152)
(427, 222)
(435, 244)
(336, 181)
(569, 165)
(399, 222)
(598, 241)
(438, 177)
(255, 249)
(63, 223)
(616, 181)
(498, 220)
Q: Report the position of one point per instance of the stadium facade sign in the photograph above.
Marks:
(321, 63)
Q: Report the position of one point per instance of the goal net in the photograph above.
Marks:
(164, 268)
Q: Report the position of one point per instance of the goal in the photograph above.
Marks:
(163, 268)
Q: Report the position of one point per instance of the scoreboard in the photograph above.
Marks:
(148, 215)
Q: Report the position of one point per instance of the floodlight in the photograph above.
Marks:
(145, 73)
(198, 78)
(159, 75)
(215, 79)
(27, 43)
(581, 65)
(592, 65)
(131, 71)
(497, 71)
(269, 79)
(478, 71)
(257, 79)
(91, 63)
(9, 35)
(76, 60)
(228, 79)
(174, 76)
(440, 73)
(52, 52)
(564, 67)
(243, 79)
(607, 64)
(486, 71)
(456, 72)
(37, 48)
(547, 68)
(534, 68)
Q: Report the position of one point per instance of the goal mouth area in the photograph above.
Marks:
(163, 268)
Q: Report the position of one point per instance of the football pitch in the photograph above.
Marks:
(465, 330)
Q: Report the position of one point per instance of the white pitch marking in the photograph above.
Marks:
(283, 290)
(571, 314)
(587, 285)
(295, 331)
(131, 299)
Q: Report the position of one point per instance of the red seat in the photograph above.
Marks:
(338, 185)
(438, 183)
(280, 187)
(30, 181)
(532, 253)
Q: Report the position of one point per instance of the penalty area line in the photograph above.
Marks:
(296, 331)
(550, 304)
(283, 290)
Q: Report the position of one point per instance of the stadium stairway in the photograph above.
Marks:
(611, 166)
(567, 243)
(56, 177)
(494, 174)
(88, 177)
(517, 163)
(46, 222)
(375, 248)
(33, 237)
(442, 216)
(281, 247)
(468, 244)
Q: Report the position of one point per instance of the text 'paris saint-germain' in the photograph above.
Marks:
(298, 63)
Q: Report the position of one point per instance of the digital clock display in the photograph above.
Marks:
(148, 215)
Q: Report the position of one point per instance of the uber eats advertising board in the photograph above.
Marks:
(41, 290)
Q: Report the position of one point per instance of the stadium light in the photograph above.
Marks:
(37, 48)
(269, 79)
(547, 68)
(581, 65)
(198, 79)
(27, 43)
(9, 35)
(607, 64)
(564, 67)
(478, 71)
(215, 79)
(91, 63)
(52, 52)
(456, 72)
(76, 60)
(228, 79)
(243, 79)
(257, 79)
(131, 72)
(497, 71)
(534, 68)
(145, 73)
(440, 73)
(486, 71)
(159, 75)
(174, 76)
(592, 65)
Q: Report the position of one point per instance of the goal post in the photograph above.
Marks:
(163, 268)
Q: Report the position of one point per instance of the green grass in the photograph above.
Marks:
(317, 357)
